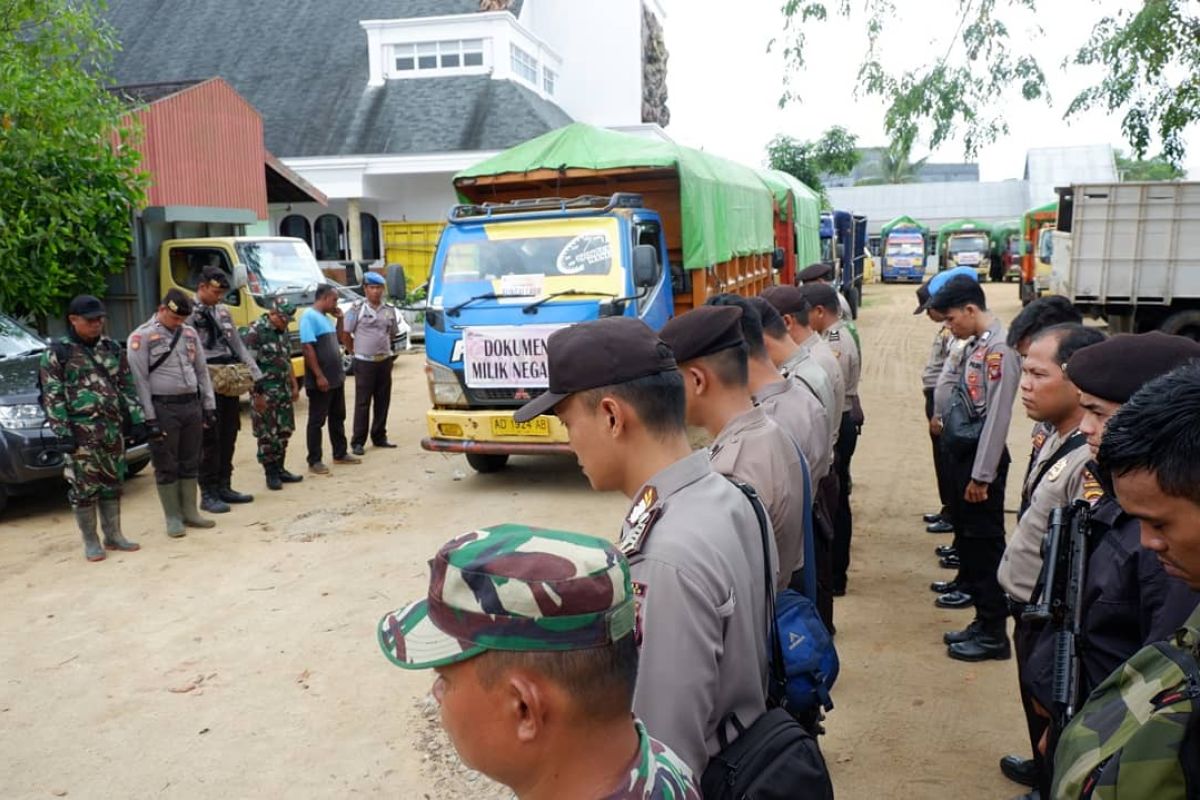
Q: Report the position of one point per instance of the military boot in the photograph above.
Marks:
(168, 496)
(210, 500)
(285, 476)
(85, 518)
(274, 481)
(230, 495)
(110, 521)
(187, 505)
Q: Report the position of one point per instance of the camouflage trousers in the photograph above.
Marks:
(97, 467)
(273, 426)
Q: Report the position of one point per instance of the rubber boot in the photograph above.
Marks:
(85, 518)
(187, 505)
(210, 501)
(274, 482)
(168, 495)
(110, 521)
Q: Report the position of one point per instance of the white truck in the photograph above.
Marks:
(1129, 253)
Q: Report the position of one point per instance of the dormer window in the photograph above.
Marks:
(442, 57)
(524, 65)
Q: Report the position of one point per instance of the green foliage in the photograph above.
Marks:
(69, 177)
(835, 153)
(894, 166)
(1157, 168)
(1151, 53)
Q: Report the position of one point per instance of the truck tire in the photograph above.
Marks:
(1183, 323)
(135, 468)
(3, 498)
(487, 462)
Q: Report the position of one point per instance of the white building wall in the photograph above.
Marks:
(601, 48)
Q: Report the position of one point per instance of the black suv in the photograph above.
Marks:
(28, 451)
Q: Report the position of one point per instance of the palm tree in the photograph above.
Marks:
(894, 167)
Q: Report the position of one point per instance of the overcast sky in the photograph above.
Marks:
(724, 87)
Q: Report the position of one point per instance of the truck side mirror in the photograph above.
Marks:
(240, 276)
(646, 269)
(778, 258)
(396, 283)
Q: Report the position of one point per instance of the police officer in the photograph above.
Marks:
(978, 461)
(223, 347)
(692, 537)
(370, 327)
(747, 444)
(943, 343)
(91, 403)
(552, 712)
(797, 363)
(167, 362)
(272, 412)
(795, 308)
(824, 319)
(822, 273)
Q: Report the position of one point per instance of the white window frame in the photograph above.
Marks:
(523, 63)
(549, 80)
(437, 50)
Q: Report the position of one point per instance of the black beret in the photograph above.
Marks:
(820, 294)
(1117, 367)
(703, 331)
(958, 292)
(177, 301)
(922, 298)
(819, 271)
(86, 306)
(786, 299)
(211, 274)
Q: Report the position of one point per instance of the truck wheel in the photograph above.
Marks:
(1183, 323)
(3, 499)
(134, 469)
(484, 463)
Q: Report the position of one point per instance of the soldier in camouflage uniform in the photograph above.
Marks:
(89, 396)
(272, 415)
(534, 630)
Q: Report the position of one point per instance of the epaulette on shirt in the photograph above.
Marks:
(641, 519)
(835, 336)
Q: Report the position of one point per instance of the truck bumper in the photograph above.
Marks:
(473, 431)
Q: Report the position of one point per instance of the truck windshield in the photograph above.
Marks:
(967, 244)
(1045, 245)
(16, 341)
(905, 246)
(277, 267)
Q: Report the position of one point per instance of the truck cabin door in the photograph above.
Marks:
(656, 304)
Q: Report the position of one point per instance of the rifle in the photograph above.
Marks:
(1057, 600)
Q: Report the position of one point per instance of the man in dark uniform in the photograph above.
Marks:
(1129, 600)
(223, 348)
(167, 362)
(272, 413)
(91, 403)
(978, 460)
(692, 537)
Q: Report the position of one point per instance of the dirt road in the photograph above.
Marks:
(241, 662)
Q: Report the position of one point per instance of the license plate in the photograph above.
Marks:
(507, 426)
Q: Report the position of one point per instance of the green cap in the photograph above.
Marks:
(512, 587)
(284, 307)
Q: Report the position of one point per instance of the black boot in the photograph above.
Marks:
(85, 518)
(210, 500)
(229, 495)
(1020, 770)
(274, 481)
(984, 646)
(967, 633)
(110, 521)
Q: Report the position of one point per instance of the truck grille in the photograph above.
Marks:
(502, 396)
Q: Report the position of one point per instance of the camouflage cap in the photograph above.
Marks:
(284, 307)
(512, 587)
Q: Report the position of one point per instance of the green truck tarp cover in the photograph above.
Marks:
(1001, 231)
(727, 209)
(808, 213)
(1049, 208)
(962, 226)
(901, 222)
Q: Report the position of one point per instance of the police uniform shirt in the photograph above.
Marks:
(696, 557)
(846, 351)
(943, 343)
(223, 350)
(184, 371)
(991, 373)
(800, 414)
(803, 370)
(823, 354)
(1061, 483)
(373, 330)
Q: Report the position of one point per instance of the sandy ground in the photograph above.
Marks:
(242, 661)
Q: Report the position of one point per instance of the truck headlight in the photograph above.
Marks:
(22, 416)
(444, 387)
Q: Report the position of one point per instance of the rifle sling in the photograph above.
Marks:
(1072, 443)
(158, 362)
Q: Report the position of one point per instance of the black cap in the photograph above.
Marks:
(86, 306)
(820, 294)
(599, 353)
(1117, 367)
(177, 301)
(786, 299)
(957, 293)
(214, 275)
(922, 298)
(703, 331)
(819, 271)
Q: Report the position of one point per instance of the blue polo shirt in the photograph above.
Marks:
(321, 332)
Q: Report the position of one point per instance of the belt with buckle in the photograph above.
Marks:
(175, 399)
(378, 358)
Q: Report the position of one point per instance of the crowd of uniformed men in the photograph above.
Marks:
(557, 637)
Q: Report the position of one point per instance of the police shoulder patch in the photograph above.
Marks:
(994, 362)
(1092, 490)
(135, 341)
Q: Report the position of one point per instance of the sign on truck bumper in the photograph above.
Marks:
(493, 432)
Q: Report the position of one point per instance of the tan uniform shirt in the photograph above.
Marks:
(823, 354)
(992, 373)
(695, 553)
(950, 375)
(800, 414)
(943, 343)
(803, 370)
(373, 330)
(1060, 486)
(184, 371)
(842, 344)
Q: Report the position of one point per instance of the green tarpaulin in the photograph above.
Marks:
(727, 209)
(962, 226)
(1001, 231)
(901, 222)
(808, 213)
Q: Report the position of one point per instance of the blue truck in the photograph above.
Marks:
(843, 244)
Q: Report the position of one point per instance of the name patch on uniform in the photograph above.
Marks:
(1056, 470)
(994, 361)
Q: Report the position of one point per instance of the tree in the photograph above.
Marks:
(1150, 169)
(835, 153)
(69, 179)
(894, 167)
(1151, 54)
